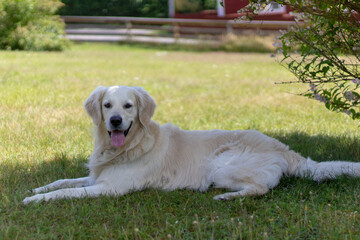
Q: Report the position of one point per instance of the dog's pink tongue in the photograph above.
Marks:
(117, 138)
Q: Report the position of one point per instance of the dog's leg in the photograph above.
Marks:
(246, 173)
(250, 190)
(91, 191)
(64, 183)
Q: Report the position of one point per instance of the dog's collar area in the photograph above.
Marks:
(125, 132)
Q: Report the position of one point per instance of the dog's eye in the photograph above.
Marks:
(127, 106)
(107, 105)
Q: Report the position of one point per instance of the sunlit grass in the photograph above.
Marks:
(45, 135)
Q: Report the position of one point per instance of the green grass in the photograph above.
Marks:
(45, 135)
(248, 42)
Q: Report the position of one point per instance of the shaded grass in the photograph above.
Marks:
(45, 135)
(247, 42)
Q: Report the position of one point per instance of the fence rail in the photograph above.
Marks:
(174, 25)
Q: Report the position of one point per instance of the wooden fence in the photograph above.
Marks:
(174, 27)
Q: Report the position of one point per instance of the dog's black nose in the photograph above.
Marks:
(115, 121)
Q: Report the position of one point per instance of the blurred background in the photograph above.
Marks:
(196, 24)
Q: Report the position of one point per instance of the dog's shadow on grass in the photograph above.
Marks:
(321, 147)
(67, 167)
(60, 167)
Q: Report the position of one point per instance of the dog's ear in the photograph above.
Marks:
(92, 105)
(146, 105)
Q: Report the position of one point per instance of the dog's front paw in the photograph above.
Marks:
(36, 198)
(37, 190)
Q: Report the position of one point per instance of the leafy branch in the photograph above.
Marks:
(323, 51)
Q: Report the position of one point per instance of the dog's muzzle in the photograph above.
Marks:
(118, 136)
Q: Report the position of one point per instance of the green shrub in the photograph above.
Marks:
(138, 8)
(194, 6)
(31, 25)
(328, 48)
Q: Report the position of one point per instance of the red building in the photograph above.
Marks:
(273, 11)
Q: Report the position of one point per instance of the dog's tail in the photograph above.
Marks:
(319, 171)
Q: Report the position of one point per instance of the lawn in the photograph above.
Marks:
(45, 135)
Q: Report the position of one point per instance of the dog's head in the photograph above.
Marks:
(120, 109)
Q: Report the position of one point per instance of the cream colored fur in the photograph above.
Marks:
(245, 162)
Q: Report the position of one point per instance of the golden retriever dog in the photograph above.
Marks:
(132, 152)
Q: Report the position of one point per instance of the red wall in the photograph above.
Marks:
(233, 6)
(231, 9)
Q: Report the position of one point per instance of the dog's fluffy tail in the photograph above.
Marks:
(319, 171)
